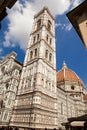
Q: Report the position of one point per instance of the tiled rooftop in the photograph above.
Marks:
(66, 74)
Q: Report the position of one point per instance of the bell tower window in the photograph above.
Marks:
(49, 25)
(46, 54)
(36, 52)
(61, 108)
(50, 57)
(31, 54)
(38, 23)
(34, 38)
(47, 38)
(38, 36)
(7, 85)
(50, 41)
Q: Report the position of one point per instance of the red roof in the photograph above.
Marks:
(85, 97)
(66, 74)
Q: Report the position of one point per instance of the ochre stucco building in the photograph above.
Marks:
(78, 18)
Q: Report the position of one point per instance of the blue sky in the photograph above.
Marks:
(16, 27)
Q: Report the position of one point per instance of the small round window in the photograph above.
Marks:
(72, 87)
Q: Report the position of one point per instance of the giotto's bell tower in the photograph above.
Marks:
(36, 99)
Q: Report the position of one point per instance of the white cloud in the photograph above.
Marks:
(19, 27)
(1, 50)
(68, 27)
(56, 6)
(64, 26)
(21, 18)
(75, 3)
(58, 24)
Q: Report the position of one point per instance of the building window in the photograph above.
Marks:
(7, 85)
(3, 69)
(34, 81)
(46, 54)
(49, 25)
(1, 103)
(34, 38)
(16, 72)
(72, 87)
(47, 38)
(36, 52)
(49, 86)
(53, 88)
(50, 57)
(46, 84)
(61, 108)
(9, 102)
(31, 54)
(5, 116)
(38, 23)
(38, 36)
(50, 41)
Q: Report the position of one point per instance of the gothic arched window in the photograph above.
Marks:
(36, 52)
(61, 108)
(7, 85)
(47, 37)
(49, 25)
(46, 54)
(1, 103)
(3, 69)
(34, 39)
(50, 57)
(38, 23)
(50, 41)
(31, 54)
(38, 36)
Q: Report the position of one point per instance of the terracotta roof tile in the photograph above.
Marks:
(85, 97)
(66, 74)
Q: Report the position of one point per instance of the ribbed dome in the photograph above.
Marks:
(66, 74)
(85, 97)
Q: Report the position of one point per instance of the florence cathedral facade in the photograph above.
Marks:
(33, 95)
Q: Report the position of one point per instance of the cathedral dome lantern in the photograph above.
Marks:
(69, 81)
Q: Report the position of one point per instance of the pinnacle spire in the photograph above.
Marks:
(64, 65)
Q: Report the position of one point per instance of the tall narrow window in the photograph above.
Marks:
(46, 84)
(47, 38)
(36, 52)
(38, 36)
(1, 103)
(34, 38)
(50, 57)
(38, 23)
(5, 116)
(61, 108)
(7, 85)
(46, 54)
(34, 81)
(31, 54)
(50, 41)
(49, 25)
